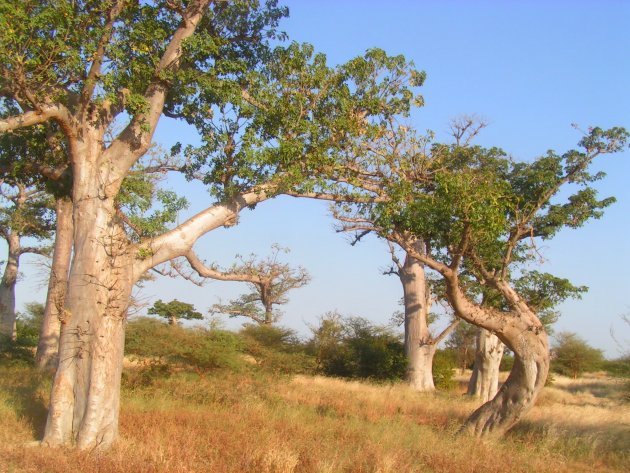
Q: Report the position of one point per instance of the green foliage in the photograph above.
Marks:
(14, 352)
(619, 367)
(276, 349)
(507, 362)
(157, 344)
(25, 211)
(479, 212)
(53, 43)
(29, 324)
(572, 356)
(21, 350)
(543, 292)
(461, 342)
(354, 348)
(149, 209)
(444, 364)
(174, 310)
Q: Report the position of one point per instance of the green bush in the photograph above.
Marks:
(277, 349)
(619, 368)
(13, 352)
(354, 348)
(203, 350)
(444, 364)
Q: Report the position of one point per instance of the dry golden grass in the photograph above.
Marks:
(257, 423)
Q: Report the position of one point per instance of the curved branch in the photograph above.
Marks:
(36, 117)
(209, 272)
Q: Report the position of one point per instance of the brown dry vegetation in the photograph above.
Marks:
(253, 422)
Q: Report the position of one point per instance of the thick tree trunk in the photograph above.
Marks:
(419, 345)
(522, 332)
(484, 382)
(85, 395)
(7, 288)
(518, 394)
(48, 345)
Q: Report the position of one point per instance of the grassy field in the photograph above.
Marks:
(256, 422)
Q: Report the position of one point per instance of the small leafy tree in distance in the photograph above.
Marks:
(572, 356)
(174, 310)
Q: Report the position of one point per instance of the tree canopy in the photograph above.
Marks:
(174, 311)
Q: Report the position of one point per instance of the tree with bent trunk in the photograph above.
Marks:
(269, 279)
(478, 211)
(543, 292)
(271, 122)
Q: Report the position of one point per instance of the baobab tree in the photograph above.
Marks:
(271, 122)
(24, 213)
(477, 210)
(419, 343)
(38, 154)
(269, 280)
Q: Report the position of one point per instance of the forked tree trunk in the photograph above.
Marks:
(419, 345)
(85, 396)
(484, 382)
(7, 288)
(48, 345)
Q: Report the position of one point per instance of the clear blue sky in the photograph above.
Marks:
(530, 68)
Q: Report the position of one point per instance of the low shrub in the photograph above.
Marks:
(444, 365)
(277, 349)
(354, 348)
(203, 350)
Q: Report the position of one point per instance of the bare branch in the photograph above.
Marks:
(447, 331)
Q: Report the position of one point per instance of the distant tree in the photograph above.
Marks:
(462, 343)
(572, 356)
(175, 310)
(24, 213)
(269, 281)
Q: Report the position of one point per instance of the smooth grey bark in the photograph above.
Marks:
(48, 345)
(419, 345)
(7, 287)
(85, 397)
(484, 382)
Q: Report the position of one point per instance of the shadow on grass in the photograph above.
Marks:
(597, 389)
(24, 389)
(609, 441)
